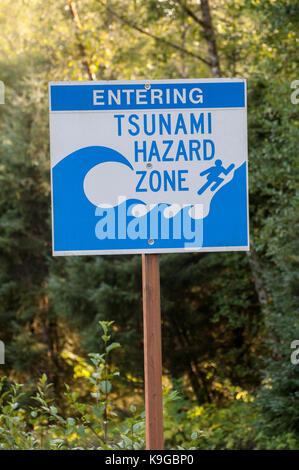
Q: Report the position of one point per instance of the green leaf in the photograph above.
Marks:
(112, 346)
(71, 421)
(43, 379)
(104, 326)
(96, 375)
(81, 431)
(138, 426)
(105, 386)
(97, 411)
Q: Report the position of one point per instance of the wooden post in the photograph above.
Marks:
(152, 352)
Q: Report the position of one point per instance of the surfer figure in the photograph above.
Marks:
(213, 176)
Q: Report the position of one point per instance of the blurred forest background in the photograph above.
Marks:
(228, 319)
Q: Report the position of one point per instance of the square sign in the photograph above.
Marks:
(149, 166)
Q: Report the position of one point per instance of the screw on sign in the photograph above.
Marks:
(149, 167)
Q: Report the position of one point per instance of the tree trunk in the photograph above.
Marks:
(210, 37)
(259, 284)
(82, 50)
(195, 375)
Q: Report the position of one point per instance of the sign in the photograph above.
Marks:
(149, 166)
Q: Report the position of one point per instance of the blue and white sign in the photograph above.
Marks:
(149, 167)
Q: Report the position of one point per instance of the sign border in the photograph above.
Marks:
(143, 82)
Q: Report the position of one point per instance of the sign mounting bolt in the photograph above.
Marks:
(147, 85)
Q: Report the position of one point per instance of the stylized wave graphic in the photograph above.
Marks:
(74, 219)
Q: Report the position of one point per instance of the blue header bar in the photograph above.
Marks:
(133, 96)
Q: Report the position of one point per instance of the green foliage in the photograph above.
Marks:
(97, 424)
(273, 131)
(238, 425)
(94, 424)
(208, 335)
